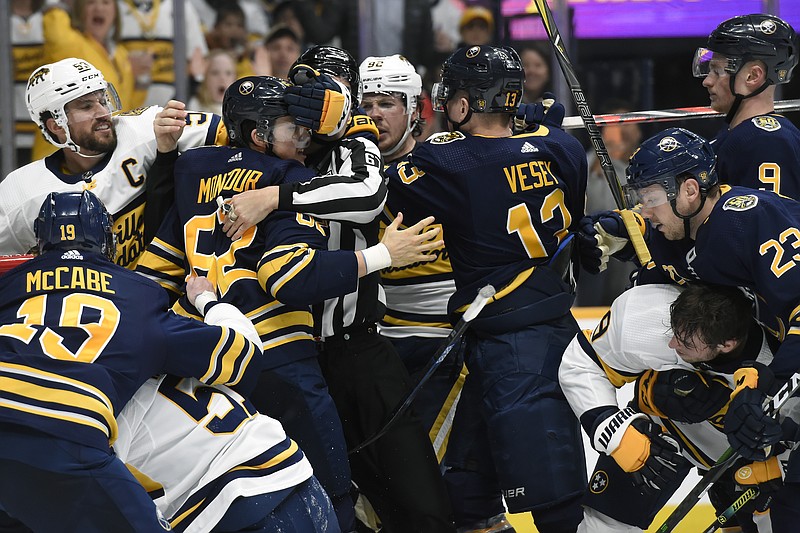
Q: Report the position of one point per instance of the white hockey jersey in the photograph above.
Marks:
(196, 448)
(632, 338)
(118, 180)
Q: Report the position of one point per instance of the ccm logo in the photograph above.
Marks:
(90, 76)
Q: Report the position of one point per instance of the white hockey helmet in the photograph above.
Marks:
(53, 86)
(392, 75)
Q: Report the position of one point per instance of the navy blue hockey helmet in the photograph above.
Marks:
(662, 158)
(75, 221)
(751, 37)
(336, 62)
(492, 78)
(253, 102)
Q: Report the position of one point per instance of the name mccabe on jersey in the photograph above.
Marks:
(69, 277)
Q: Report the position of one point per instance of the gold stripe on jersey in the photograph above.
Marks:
(278, 459)
(285, 339)
(279, 257)
(149, 484)
(178, 519)
(687, 445)
(227, 353)
(285, 320)
(81, 395)
(392, 321)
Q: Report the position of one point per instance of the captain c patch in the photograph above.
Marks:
(740, 203)
(766, 123)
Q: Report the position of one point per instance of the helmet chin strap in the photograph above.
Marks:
(409, 127)
(456, 126)
(737, 98)
(687, 218)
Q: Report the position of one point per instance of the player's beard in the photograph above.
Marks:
(91, 141)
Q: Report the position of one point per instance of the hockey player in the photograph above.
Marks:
(681, 348)
(110, 156)
(212, 462)
(275, 271)
(723, 235)
(73, 354)
(507, 204)
(745, 59)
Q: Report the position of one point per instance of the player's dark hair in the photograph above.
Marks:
(715, 313)
(228, 9)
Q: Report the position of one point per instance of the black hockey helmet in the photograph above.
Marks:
(253, 102)
(75, 221)
(492, 77)
(755, 37)
(334, 62)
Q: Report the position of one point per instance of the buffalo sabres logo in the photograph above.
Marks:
(38, 76)
(740, 203)
(599, 482)
(472, 52)
(766, 123)
(768, 26)
(246, 87)
(668, 144)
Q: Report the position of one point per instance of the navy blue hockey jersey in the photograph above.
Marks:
(506, 204)
(762, 152)
(272, 274)
(749, 240)
(79, 335)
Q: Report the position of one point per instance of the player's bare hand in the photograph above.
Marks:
(248, 209)
(168, 125)
(196, 285)
(413, 244)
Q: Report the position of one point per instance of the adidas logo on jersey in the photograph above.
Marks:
(528, 148)
(72, 254)
(236, 157)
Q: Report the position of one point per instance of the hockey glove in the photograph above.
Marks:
(681, 395)
(640, 448)
(603, 235)
(317, 101)
(548, 113)
(751, 432)
(766, 476)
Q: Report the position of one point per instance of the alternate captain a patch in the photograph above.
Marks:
(766, 123)
(740, 203)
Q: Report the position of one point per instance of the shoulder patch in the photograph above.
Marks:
(134, 112)
(766, 123)
(446, 137)
(740, 203)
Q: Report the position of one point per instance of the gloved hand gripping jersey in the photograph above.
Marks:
(603, 235)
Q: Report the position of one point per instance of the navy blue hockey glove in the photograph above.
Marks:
(317, 101)
(681, 395)
(548, 113)
(602, 236)
(641, 448)
(751, 432)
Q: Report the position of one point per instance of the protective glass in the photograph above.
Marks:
(649, 196)
(439, 95)
(90, 106)
(299, 136)
(709, 62)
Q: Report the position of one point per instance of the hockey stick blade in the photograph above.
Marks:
(480, 301)
(666, 115)
(725, 461)
(732, 509)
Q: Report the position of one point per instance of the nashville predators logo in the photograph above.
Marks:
(766, 123)
(246, 87)
(768, 26)
(38, 76)
(474, 51)
(447, 137)
(599, 482)
(668, 144)
(740, 203)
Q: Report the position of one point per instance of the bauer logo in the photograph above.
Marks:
(766, 123)
(740, 203)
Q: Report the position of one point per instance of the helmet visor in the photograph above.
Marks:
(709, 62)
(299, 136)
(649, 196)
(439, 95)
(90, 106)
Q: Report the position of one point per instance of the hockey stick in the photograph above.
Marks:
(732, 509)
(642, 253)
(666, 115)
(483, 297)
(725, 461)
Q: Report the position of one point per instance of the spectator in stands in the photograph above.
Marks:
(27, 51)
(284, 47)
(476, 27)
(220, 73)
(536, 63)
(89, 32)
